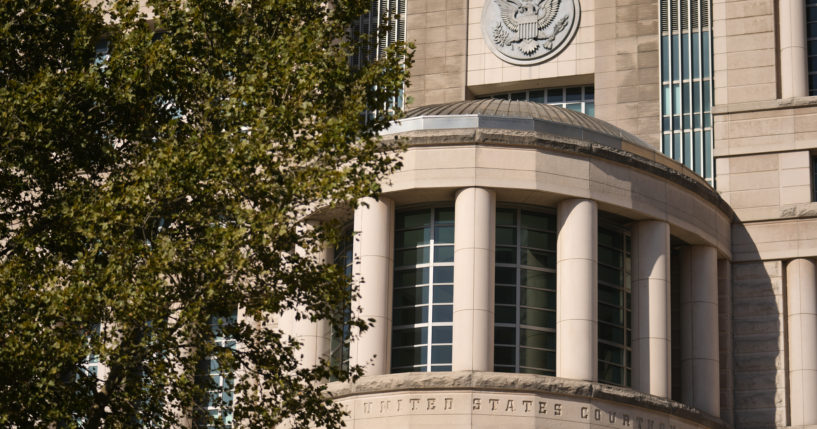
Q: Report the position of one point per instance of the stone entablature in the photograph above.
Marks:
(485, 399)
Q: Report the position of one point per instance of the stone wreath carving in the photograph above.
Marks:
(529, 31)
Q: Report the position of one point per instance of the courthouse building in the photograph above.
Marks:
(606, 217)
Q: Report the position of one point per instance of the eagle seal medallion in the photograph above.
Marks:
(526, 32)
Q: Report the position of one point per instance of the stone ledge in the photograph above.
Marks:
(517, 383)
(758, 106)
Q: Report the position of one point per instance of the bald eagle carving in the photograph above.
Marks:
(527, 21)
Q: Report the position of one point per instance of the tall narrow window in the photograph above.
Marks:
(383, 25)
(423, 290)
(686, 84)
(614, 307)
(339, 339)
(814, 177)
(811, 40)
(218, 405)
(525, 314)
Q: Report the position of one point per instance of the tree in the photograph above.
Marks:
(150, 189)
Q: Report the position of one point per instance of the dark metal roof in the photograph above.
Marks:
(496, 108)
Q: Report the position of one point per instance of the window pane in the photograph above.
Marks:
(412, 238)
(410, 296)
(443, 253)
(444, 274)
(409, 337)
(504, 355)
(537, 358)
(503, 335)
(443, 293)
(441, 334)
(534, 258)
(505, 236)
(540, 318)
(505, 314)
(411, 277)
(536, 338)
(445, 215)
(505, 275)
(444, 234)
(411, 256)
(413, 219)
(541, 240)
(538, 298)
(506, 295)
(410, 316)
(538, 279)
(443, 313)
(506, 255)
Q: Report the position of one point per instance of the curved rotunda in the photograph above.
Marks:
(536, 267)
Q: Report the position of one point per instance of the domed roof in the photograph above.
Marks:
(513, 115)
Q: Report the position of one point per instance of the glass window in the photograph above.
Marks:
(614, 309)
(811, 40)
(576, 98)
(339, 338)
(218, 404)
(423, 290)
(525, 292)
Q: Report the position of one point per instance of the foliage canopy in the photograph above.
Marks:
(150, 190)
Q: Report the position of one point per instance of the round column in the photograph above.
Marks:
(651, 308)
(577, 290)
(474, 235)
(373, 249)
(313, 336)
(801, 290)
(793, 68)
(700, 374)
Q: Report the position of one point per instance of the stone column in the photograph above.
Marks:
(801, 291)
(793, 68)
(700, 372)
(373, 249)
(474, 237)
(313, 336)
(577, 290)
(651, 308)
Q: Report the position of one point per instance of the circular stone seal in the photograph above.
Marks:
(525, 32)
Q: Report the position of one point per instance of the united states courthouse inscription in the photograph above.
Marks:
(526, 32)
(489, 409)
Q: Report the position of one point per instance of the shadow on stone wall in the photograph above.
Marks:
(758, 314)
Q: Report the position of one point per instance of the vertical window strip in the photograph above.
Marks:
(525, 290)
(614, 307)
(811, 45)
(339, 340)
(576, 98)
(686, 81)
(219, 400)
(814, 177)
(423, 304)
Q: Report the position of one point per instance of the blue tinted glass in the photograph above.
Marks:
(443, 253)
(705, 53)
(444, 234)
(696, 151)
(441, 334)
(518, 96)
(676, 99)
(413, 219)
(688, 150)
(675, 52)
(696, 63)
(443, 274)
(410, 296)
(589, 109)
(555, 95)
(666, 147)
(706, 100)
(665, 107)
(665, 56)
(676, 146)
(685, 56)
(443, 293)
(589, 93)
(707, 154)
(442, 313)
(686, 95)
(536, 96)
(574, 94)
(410, 277)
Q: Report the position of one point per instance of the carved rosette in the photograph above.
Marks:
(525, 32)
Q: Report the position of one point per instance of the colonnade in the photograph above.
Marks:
(576, 295)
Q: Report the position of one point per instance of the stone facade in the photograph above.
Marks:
(723, 336)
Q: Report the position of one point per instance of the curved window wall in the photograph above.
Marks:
(615, 307)
(423, 290)
(525, 313)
